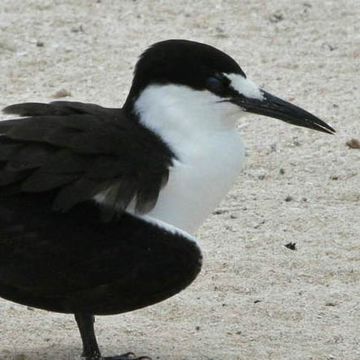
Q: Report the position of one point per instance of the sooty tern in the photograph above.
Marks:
(97, 205)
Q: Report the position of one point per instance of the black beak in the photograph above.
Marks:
(274, 107)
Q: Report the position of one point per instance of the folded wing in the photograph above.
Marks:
(76, 151)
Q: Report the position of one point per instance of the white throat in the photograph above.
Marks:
(201, 131)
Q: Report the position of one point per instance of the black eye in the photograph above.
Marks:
(217, 84)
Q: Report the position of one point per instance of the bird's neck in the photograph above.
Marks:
(181, 115)
(208, 148)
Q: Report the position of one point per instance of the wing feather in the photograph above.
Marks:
(76, 192)
(79, 150)
(27, 156)
(39, 181)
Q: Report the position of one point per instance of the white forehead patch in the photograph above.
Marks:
(245, 86)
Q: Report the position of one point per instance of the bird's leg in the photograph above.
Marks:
(85, 324)
(91, 350)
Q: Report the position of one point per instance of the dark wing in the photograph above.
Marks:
(75, 151)
(71, 262)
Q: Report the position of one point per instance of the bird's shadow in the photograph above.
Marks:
(52, 352)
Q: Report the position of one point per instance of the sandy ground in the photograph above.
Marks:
(255, 299)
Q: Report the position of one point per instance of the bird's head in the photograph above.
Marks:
(179, 75)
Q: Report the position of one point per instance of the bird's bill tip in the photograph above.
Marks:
(272, 106)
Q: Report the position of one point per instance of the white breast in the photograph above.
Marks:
(202, 133)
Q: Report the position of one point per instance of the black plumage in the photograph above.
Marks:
(74, 263)
(80, 150)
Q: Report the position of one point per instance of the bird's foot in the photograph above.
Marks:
(127, 356)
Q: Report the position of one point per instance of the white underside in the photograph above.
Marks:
(197, 184)
(202, 133)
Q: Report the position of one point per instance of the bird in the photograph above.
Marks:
(99, 206)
